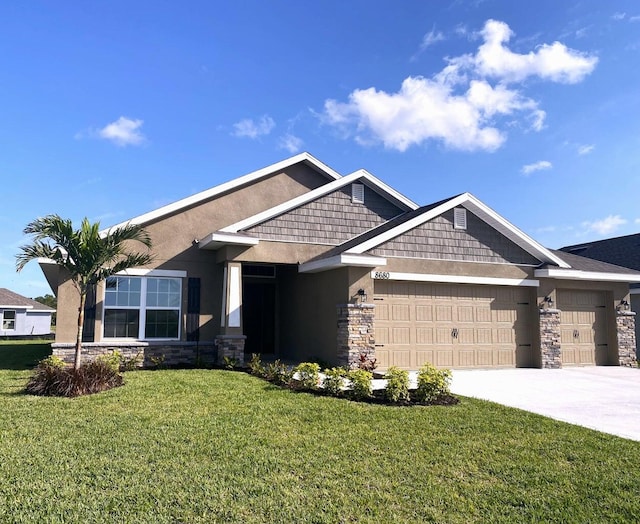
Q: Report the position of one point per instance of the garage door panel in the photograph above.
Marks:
(382, 334)
(382, 357)
(454, 325)
(382, 311)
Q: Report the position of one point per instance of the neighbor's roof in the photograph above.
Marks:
(9, 299)
(621, 251)
(583, 263)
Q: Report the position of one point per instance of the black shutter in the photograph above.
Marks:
(89, 328)
(193, 310)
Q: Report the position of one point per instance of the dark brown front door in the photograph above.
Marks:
(258, 316)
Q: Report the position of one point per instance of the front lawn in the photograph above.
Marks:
(221, 446)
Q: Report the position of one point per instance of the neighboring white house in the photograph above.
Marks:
(21, 316)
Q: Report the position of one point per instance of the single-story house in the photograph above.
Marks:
(622, 251)
(21, 316)
(297, 261)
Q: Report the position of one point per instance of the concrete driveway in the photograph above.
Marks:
(603, 398)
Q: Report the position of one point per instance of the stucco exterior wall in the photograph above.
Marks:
(174, 248)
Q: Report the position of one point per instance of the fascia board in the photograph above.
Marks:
(217, 240)
(341, 260)
(227, 186)
(10, 306)
(135, 272)
(457, 279)
(575, 274)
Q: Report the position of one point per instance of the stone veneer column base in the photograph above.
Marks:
(355, 333)
(231, 346)
(550, 349)
(626, 327)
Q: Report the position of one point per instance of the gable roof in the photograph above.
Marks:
(9, 299)
(230, 185)
(479, 209)
(583, 268)
(414, 218)
(621, 251)
(361, 175)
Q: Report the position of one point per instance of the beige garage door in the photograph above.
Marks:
(452, 325)
(583, 327)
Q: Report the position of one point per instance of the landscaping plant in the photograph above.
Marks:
(433, 383)
(334, 380)
(361, 387)
(397, 388)
(308, 375)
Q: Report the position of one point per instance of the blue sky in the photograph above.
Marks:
(112, 109)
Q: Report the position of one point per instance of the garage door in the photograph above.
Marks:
(583, 327)
(452, 325)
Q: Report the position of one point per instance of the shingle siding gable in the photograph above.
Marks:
(438, 239)
(331, 219)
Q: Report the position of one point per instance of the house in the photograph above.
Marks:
(297, 261)
(623, 251)
(20, 316)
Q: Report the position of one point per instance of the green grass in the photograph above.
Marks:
(221, 446)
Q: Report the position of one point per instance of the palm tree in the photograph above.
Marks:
(86, 254)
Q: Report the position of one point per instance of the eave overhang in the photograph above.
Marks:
(575, 274)
(217, 240)
(342, 260)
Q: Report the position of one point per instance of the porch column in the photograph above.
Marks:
(230, 342)
(626, 333)
(355, 333)
(550, 349)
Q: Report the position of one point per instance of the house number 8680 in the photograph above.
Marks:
(382, 275)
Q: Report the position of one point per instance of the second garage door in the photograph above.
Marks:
(452, 325)
(583, 327)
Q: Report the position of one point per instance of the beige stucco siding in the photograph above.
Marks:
(174, 247)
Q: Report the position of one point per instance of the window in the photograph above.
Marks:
(142, 307)
(357, 193)
(9, 320)
(460, 218)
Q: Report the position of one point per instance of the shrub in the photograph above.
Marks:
(111, 359)
(279, 373)
(360, 383)
(397, 384)
(92, 377)
(334, 380)
(366, 362)
(157, 361)
(255, 366)
(432, 383)
(131, 363)
(230, 363)
(52, 361)
(308, 375)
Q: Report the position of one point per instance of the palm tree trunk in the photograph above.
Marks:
(78, 357)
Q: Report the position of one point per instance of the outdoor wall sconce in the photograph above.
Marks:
(362, 295)
(548, 301)
(623, 306)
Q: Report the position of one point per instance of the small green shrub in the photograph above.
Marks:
(255, 366)
(308, 375)
(361, 387)
(52, 361)
(397, 384)
(334, 380)
(432, 383)
(111, 359)
(130, 363)
(92, 377)
(279, 373)
(157, 361)
(230, 363)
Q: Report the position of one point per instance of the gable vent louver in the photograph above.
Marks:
(460, 218)
(357, 193)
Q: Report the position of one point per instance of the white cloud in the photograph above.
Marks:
(458, 106)
(536, 166)
(250, 128)
(555, 62)
(585, 149)
(431, 38)
(291, 143)
(605, 226)
(618, 16)
(123, 132)
(635, 18)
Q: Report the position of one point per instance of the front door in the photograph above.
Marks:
(258, 316)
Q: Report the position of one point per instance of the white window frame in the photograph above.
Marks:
(142, 308)
(4, 312)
